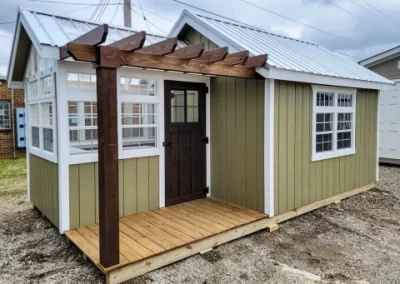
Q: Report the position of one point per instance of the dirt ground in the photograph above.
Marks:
(355, 241)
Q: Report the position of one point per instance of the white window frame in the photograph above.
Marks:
(335, 109)
(6, 102)
(157, 99)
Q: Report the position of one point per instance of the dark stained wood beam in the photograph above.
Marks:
(93, 37)
(188, 52)
(113, 57)
(108, 165)
(256, 61)
(131, 43)
(160, 48)
(214, 55)
(235, 58)
(185, 65)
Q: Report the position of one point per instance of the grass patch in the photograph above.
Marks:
(12, 177)
(12, 168)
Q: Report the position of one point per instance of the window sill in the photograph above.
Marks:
(331, 155)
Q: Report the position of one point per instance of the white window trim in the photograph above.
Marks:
(335, 109)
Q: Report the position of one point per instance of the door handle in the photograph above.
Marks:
(167, 143)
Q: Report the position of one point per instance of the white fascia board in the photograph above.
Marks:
(16, 85)
(11, 63)
(206, 30)
(290, 75)
(381, 57)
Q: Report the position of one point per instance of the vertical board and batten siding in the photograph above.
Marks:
(138, 189)
(44, 187)
(237, 135)
(388, 69)
(237, 141)
(298, 180)
(192, 37)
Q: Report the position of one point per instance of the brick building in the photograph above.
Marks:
(9, 100)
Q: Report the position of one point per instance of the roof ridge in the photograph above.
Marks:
(87, 21)
(246, 26)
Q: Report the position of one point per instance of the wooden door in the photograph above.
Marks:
(185, 141)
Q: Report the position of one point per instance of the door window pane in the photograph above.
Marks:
(177, 106)
(192, 107)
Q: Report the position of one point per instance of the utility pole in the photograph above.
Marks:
(127, 13)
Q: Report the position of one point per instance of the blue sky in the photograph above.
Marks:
(366, 28)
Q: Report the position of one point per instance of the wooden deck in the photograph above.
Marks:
(156, 238)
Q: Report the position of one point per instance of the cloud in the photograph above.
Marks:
(356, 36)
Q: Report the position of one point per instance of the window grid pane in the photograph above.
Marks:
(82, 118)
(5, 122)
(345, 100)
(325, 99)
(344, 121)
(138, 87)
(139, 125)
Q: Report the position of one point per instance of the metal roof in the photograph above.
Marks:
(381, 57)
(56, 30)
(287, 53)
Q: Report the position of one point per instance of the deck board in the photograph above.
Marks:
(148, 234)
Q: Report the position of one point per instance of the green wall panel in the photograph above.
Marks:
(138, 189)
(298, 181)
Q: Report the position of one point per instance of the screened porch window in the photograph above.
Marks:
(333, 122)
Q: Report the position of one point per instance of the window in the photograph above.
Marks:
(5, 121)
(47, 126)
(82, 118)
(47, 85)
(33, 89)
(81, 82)
(184, 106)
(333, 122)
(34, 122)
(139, 125)
(138, 87)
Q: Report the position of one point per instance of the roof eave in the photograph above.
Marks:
(381, 57)
(296, 76)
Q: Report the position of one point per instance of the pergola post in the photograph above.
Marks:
(108, 165)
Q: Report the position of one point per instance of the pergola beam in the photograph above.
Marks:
(188, 52)
(113, 57)
(160, 48)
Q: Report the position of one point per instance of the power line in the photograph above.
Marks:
(290, 19)
(373, 7)
(361, 18)
(144, 16)
(115, 13)
(380, 16)
(149, 21)
(71, 3)
(192, 6)
(161, 17)
(7, 23)
(97, 9)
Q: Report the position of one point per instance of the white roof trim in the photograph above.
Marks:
(381, 57)
(296, 76)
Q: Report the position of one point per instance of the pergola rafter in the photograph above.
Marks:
(130, 51)
(162, 55)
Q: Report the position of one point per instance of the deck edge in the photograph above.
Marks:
(138, 268)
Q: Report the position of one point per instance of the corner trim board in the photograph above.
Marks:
(269, 105)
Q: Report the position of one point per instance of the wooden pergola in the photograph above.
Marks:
(130, 51)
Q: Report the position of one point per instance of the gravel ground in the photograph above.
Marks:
(355, 241)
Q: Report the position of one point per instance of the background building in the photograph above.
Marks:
(9, 100)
